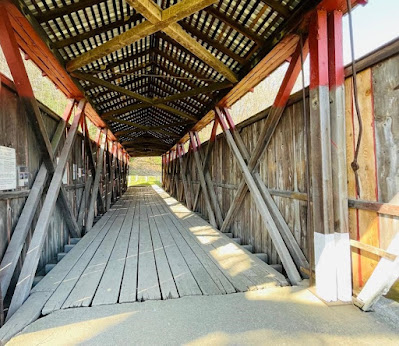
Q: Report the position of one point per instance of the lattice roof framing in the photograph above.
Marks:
(154, 70)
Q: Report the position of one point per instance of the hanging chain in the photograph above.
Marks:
(355, 164)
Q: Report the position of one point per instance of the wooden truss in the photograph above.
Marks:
(51, 172)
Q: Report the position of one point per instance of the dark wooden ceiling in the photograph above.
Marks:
(152, 70)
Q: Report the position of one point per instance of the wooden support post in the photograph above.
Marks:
(338, 157)
(118, 171)
(201, 176)
(320, 137)
(113, 170)
(286, 259)
(205, 161)
(11, 256)
(94, 193)
(109, 177)
(163, 171)
(173, 170)
(85, 198)
(29, 267)
(187, 194)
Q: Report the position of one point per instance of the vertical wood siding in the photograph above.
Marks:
(283, 168)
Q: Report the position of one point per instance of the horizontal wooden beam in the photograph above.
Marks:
(98, 31)
(125, 39)
(235, 25)
(129, 93)
(278, 7)
(381, 208)
(65, 10)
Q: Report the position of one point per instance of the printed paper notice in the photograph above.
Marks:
(8, 169)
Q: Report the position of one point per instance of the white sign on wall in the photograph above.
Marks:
(8, 168)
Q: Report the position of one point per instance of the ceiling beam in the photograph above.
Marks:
(129, 93)
(158, 19)
(154, 128)
(213, 42)
(235, 25)
(98, 31)
(182, 95)
(143, 127)
(140, 31)
(65, 10)
(278, 7)
(154, 14)
(125, 39)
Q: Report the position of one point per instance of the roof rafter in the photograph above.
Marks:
(65, 10)
(182, 95)
(130, 93)
(98, 31)
(154, 128)
(158, 19)
(235, 25)
(143, 127)
(278, 7)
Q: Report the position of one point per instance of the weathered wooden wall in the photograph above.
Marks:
(283, 167)
(16, 132)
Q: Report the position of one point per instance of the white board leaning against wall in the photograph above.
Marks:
(8, 168)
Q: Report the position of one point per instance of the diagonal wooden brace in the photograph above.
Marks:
(269, 126)
(99, 168)
(289, 239)
(25, 92)
(187, 192)
(12, 54)
(205, 161)
(201, 176)
(29, 267)
(274, 233)
(10, 259)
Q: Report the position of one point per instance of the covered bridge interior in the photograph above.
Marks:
(306, 189)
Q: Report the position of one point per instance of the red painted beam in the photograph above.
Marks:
(214, 130)
(220, 118)
(335, 57)
(318, 47)
(291, 75)
(192, 141)
(22, 85)
(229, 119)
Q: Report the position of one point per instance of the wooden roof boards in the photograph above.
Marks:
(156, 69)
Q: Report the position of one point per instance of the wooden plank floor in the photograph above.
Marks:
(149, 246)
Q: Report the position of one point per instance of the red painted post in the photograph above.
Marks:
(338, 156)
(320, 135)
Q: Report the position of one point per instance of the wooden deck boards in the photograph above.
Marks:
(149, 246)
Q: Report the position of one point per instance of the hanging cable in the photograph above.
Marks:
(355, 164)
